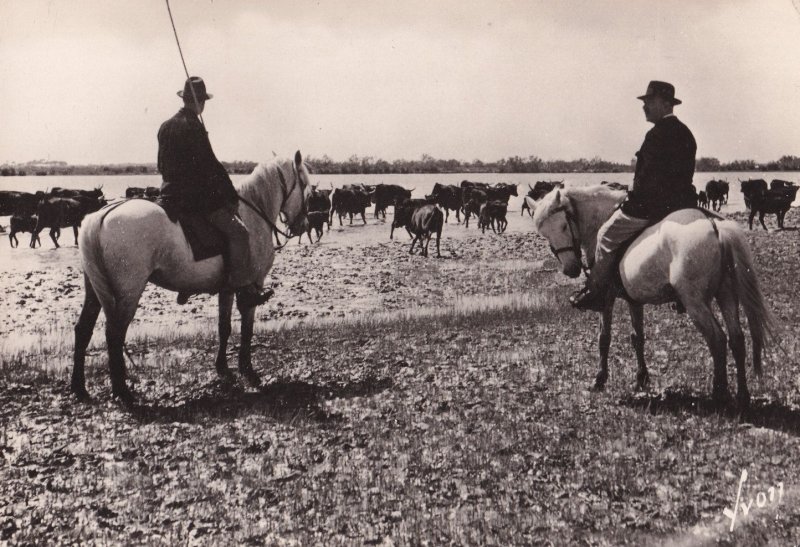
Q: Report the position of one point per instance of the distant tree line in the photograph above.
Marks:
(367, 165)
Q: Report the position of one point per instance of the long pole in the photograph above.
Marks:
(186, 70)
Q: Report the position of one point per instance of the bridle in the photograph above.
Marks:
(575, 247)
(286, 195)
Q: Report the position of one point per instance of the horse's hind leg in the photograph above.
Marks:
(83, 335)
(637, 341)
(729, 305)
(245, 363)
(703, 318)
(117, 324)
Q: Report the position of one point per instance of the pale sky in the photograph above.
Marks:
(90, 81)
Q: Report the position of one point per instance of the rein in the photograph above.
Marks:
(575, 247)
(263, 215)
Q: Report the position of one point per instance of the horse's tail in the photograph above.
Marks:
(739, 263)
(94, 265)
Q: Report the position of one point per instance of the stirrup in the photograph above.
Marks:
(251, 296)
(586, 299)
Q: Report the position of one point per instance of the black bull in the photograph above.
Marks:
(385, 195)
(349, 200)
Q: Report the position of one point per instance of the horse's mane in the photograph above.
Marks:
(252, 186)
(591, 204)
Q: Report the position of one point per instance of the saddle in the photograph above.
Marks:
(204, 238)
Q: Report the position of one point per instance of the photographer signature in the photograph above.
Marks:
(761, 500)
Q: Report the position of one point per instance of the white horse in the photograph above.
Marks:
(124, 248)
(687, 257)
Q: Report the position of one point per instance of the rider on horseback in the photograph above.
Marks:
(662, 184)
(194, 180)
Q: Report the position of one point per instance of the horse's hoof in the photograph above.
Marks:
(720, 397)
(642, 381)
(252, 378)
(81, 394)
(124, 395)
(743, 401)
(599, 386)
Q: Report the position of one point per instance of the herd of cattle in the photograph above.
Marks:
(421, 217)
(59, 208)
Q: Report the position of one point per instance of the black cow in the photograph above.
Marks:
(449, 198)
(56, 213)
(717, 193)
(775, 201)
(778, 184)
(95, 194)
(426, 221)
(702, 199)
(22, 223)
(19, 203)
(132, 192)
(494, 214)
(477, 199)
(752, 187)
(403, 211)
(385, 195)
(320, 199)
(315, 220)
(350, 200)
(537, 192)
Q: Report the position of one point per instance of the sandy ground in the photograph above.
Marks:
(353, 269)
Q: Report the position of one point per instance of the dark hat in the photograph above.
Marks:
(661, 89)
(199, 86)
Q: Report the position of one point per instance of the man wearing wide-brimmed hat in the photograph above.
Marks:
(194, 180)
(662, 184)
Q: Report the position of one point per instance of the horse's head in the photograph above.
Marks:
(555, 220)
(297, 190)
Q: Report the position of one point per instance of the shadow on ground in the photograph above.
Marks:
(762, 413)
(283, 401)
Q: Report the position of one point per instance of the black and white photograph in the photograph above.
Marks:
(399, 272)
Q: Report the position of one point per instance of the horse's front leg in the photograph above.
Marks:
(604, 344)
(637, 341)
(245, 364)
(225, 300)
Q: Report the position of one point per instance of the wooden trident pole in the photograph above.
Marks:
(177, 41)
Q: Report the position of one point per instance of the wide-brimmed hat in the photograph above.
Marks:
(660, 89)
(199, 86)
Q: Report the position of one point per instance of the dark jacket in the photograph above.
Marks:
(664, 170)
(193, 177)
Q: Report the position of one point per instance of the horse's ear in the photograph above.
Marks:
(298, 158)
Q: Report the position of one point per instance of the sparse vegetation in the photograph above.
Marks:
(450, 414)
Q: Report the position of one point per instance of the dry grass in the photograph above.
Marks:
(468, 422)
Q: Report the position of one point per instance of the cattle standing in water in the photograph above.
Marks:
(385, 195)
(752, 187)
(426, 221)
(448, 197)
(777, 200)
(56, 213)
(537, 192)
(717, 193)
(316, 222)
(702, 199)
(494, 214)
(403, 212)
(349, 200)
(22, 223)
(19, 203)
